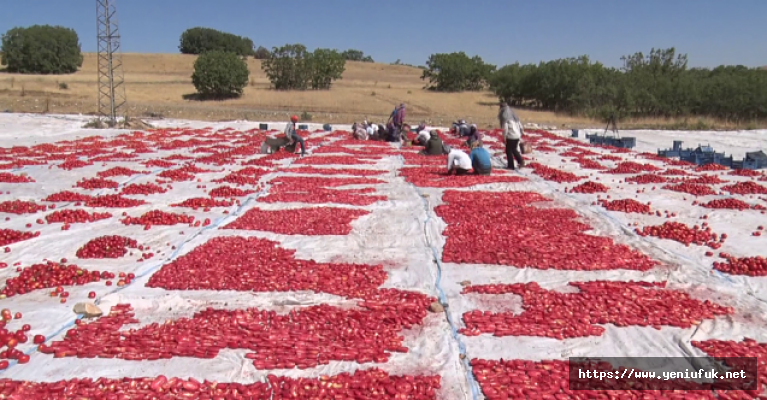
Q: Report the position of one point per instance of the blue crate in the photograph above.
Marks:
(327, 127)
(574, 133)
(263, 127)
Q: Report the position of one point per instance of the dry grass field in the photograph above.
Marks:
(159, 84)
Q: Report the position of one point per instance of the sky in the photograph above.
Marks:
(710, 32)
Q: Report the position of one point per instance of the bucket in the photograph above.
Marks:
(327, 127)
(574, 133)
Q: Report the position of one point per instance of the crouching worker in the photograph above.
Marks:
(292, 135)
(480, 159)
(457, 161)
(434, 146)
(359, 132)
(422, 138)
(473, 136)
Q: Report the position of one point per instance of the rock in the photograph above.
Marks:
(465, 283)
(88, 310)
(436, 307)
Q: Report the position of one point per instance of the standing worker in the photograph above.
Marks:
(292, 135)
(480, 159)
(512, 133)
(394, 125)
(458, 161)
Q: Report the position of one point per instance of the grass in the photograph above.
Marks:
(160, 84)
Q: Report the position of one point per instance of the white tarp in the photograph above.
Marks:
(404, 234)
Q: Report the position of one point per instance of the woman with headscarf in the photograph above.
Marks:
(512, 133)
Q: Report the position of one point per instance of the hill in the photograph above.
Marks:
(159, 84)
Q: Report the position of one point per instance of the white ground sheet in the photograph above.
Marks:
(404, 233)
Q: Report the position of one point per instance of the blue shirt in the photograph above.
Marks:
(480, 157)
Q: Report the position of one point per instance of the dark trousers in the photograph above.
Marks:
(300, 140)
(480, 170)
(461, 171)
(512, 153)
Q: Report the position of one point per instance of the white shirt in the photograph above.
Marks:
(423, 136)
(458, 158)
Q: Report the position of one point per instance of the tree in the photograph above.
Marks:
(41, 49)
(220, 74)
(356, 55)
(292, 67)
(326, 66)
(262, 53)
(658, 84)
(199, 40)
(456, 72)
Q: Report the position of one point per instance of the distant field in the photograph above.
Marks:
(156, 85)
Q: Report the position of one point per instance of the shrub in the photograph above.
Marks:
(41, 49)
(262, 53)
(200, 40)
(292, 67)
(356, 55)
(220, 74)
(456, 72)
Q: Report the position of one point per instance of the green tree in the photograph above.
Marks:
(656, 84)
(455, 72)
(262, 53)
(220, 74)
(293, 67)
(198, 40)
(326, 66)
(41, 49)
(356, 55)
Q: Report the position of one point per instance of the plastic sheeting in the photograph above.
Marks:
(391, 235)
(403, 233)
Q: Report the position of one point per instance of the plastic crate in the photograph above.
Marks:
(263, 127)
(303, 127)
(327, 127)
(574, 133)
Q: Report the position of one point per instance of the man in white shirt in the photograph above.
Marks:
(422, 138)
(458, 161)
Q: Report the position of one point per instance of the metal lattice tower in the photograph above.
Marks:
(111, 79)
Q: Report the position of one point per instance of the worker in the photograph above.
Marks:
(359, 132)
(292, 135)
(433, 145)
(480, 159)
(461, 128)
(422, 138)
(395, 123)
(458, 161)
(371, 129)
(512, 134)
(473, 135)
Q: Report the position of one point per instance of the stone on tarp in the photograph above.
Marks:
(436, 307)
(88, 310)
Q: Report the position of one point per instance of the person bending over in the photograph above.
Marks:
(458, 161)
(422, 138)
(292, 135)
(480, 159)
(473, 136)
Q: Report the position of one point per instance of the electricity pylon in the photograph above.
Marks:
(111, 78)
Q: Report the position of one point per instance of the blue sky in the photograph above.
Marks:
(711, 32)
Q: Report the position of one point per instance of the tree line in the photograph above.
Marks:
(656, 84)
